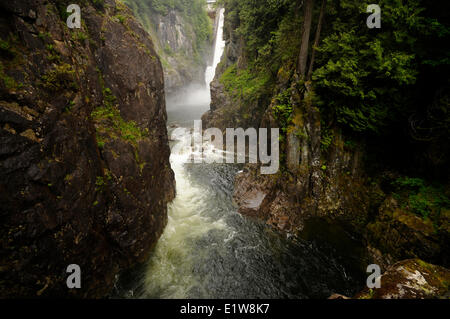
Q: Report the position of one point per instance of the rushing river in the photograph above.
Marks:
(208, 250)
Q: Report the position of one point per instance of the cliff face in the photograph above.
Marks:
(183, 39)
(84, 166)
(177, 39)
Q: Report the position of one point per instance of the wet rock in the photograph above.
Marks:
(399, 234)
(411, 279)
(84, 169)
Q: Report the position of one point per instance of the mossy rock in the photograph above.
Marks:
(411, 279)
(402, 234)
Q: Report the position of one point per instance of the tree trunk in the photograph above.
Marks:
(293, 140)
(307, 18)
(316, 40)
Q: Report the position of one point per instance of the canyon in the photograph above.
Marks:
(89, 175)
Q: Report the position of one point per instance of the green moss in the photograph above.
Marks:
(99, 184)
(109, 122)
(60, 77)
(44, 35)
(68, 108)
(79, 36)
(8, 81)
(121, 18)
(99, 4)
(108, 174)
(5, 46)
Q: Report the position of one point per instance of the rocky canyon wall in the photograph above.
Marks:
(84, 158)
(183, 39)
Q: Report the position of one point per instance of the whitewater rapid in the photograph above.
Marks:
(208, 250)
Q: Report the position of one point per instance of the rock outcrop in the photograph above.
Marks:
(342, 197)
(399, 234)
(84, 157)
(410, 279)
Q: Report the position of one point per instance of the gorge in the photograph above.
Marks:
(90, 119)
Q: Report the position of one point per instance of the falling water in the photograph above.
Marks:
(208, 250)
(218, 50)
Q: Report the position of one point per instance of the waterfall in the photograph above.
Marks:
(196, 100)
(207, 249)
(169, 270)
(218, 50)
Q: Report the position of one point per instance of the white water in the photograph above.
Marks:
(169, 271)
(208, 250)
(218, 51)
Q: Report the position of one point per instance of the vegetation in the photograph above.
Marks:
(363, 77)
(60, 77)
(420, 198)
(282, 110)
(245, 84)
(8, 81)
(373, 84)
(110, 123)
(9, 51)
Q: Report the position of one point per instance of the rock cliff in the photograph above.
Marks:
(84, 165)
(183, 39)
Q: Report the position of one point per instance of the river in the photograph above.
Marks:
(208, 250)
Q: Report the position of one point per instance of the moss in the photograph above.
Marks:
(6, 49)
(108, 174)
(8, 81)
(60, 77)
(283, 110)
(69, 106)
(99, 184)
(121, 18)
(98, 4)
(79, 36)
(326, 139)
(421, 198)
(12, 60)
(44, 35)
(109, 123)
(68, 178)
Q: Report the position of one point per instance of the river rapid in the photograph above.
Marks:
(208, 250)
